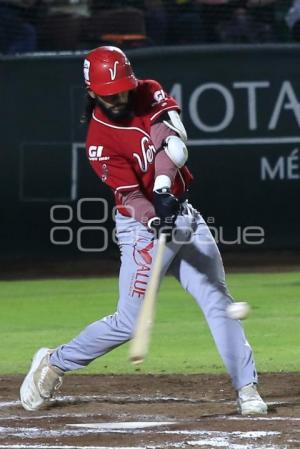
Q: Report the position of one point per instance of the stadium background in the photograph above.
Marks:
(233, 68)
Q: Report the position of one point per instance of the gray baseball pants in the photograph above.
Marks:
(195, 261)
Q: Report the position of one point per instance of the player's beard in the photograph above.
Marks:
(125, 110)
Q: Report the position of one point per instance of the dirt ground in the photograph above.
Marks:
(181, 411)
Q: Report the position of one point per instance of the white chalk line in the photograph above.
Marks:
(258, 418)
(129, 399)
(50, 446)
(29, 417)
(213, 443)
(248, 434)
(31, 433)
(146, 424)
(209, 438)
(9, 404)
(123, 425)
(132, 399)
(122, 398)
(219, 442)
(52, 415)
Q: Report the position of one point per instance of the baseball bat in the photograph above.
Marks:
(140, 343)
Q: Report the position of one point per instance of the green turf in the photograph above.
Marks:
(50, 312)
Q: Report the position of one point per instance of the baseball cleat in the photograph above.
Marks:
(41, 381)
(250, 402)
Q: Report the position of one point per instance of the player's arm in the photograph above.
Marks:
(169, 136)
(117, 173)
(138, 206)
(171, 156)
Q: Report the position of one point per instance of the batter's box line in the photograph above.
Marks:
(137, 400)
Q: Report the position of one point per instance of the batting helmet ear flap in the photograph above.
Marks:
(107, 71)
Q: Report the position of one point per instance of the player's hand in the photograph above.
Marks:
(167, 208)
(159, 225)
(166, 205)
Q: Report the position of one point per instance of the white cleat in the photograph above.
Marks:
(250, 402)
(41, 381)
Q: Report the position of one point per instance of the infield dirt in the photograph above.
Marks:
(200, 411)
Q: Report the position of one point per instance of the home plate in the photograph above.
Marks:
(123, 425)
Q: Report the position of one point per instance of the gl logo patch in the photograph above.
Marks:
(95, 153)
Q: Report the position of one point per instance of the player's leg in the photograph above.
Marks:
(137, 251)
(199, 268)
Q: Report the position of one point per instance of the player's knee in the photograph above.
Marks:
(125, 324)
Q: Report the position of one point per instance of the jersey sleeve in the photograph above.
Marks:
(160, 101)
(116, 173)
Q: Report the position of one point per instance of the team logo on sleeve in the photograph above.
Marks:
(95, 153)
(159, 96)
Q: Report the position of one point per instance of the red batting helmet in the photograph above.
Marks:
(107, 71)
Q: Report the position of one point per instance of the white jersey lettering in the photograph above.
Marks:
(148, 152)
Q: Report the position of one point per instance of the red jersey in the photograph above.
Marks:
(122, 153)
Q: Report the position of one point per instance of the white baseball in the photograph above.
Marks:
(238, 310)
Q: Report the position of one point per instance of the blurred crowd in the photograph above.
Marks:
(58, 25)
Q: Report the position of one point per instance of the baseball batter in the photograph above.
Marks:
(136, 144)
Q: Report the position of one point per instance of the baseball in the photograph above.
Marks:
(238, 310)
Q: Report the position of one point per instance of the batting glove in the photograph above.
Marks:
(167, 208)
(166, 205)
